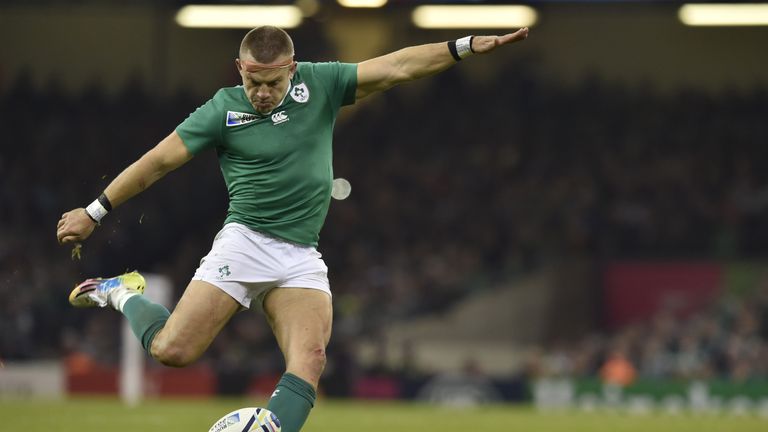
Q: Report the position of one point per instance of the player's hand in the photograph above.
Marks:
(74, 226)
(484, 44)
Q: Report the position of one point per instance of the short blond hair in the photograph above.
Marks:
(266, 44)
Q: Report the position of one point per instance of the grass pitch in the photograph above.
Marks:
(108, 415)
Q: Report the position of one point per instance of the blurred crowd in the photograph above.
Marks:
(728, 341)
(456, 184)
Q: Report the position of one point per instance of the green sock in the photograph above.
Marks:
(291, 402)
(146, 318)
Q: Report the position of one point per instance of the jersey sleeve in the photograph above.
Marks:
(202, 128)
(341, 81)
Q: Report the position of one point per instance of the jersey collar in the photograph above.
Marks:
(287, 90)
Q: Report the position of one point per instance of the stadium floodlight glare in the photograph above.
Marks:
(721, 14)
(238, 16)
(473, 16)
(362, 3)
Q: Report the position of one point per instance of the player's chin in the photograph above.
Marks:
(263, 108)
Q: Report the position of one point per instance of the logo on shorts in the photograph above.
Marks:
(224, 271)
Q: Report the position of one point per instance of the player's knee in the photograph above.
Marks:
(173, 355)
(314, 362)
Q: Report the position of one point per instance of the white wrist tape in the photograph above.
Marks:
(464, 46)
(96, 211)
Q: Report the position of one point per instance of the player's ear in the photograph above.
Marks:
(239, 65)
(293, 70)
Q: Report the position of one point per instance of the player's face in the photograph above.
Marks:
(266, 88)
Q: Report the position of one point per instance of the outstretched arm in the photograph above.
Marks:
(412, 63)
(76, 225)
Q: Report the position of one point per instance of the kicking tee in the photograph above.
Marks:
(277, 166)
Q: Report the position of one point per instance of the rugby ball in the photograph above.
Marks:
(251, 419)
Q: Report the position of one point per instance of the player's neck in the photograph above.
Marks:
(287, 90)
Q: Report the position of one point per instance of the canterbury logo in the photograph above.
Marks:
(235, 118)
(279, 117)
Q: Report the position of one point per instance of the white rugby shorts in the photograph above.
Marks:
(247, 264)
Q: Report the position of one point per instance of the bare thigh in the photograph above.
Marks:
(301, 320)
(199, 316)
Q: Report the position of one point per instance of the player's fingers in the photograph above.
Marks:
(514, 37)
(484, 44)
(70, 239)
(65, 233)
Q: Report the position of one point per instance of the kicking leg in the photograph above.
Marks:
(301, 321)
(174, 339)
(197, 319)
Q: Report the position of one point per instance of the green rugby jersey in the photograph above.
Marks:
(277, 166)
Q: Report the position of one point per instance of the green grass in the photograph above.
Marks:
(108, 415)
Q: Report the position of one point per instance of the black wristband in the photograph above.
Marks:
(104, 201)
(470, 44)
(452, 49)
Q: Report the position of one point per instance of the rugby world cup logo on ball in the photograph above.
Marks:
(251, 419)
